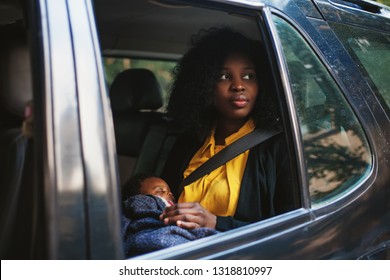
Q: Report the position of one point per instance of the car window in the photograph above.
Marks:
(161, 69)
(371, 52)
(335, 148)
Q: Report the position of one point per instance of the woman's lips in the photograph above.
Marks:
(239, 101)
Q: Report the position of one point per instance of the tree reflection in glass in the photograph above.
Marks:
(335, 148)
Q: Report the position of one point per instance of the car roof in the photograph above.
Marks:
(162, 27)
(119, 24)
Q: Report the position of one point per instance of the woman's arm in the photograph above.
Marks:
(266, 189)
(193, 215)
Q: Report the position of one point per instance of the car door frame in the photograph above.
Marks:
(76, 164)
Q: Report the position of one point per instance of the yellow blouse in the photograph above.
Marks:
(218, 191)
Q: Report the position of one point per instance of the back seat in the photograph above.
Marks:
(143, 138)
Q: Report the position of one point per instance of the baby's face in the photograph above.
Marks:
(158, 187)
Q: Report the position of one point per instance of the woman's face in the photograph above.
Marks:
(237, 88)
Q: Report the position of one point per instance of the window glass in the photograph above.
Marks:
(161, 69)
(371, 52)
(335, 148)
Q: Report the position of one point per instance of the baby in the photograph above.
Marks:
(144, 199)
(148, 184)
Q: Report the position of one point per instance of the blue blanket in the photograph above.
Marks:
(143, 231)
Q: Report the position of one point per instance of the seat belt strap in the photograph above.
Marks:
(228, 153)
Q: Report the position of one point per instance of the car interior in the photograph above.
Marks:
(167, 27)
(165, 35)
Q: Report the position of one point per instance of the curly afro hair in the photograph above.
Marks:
(194, 80)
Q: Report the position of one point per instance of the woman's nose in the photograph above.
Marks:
(237, 85)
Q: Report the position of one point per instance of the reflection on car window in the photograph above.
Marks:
(371, 52)
(336, 150)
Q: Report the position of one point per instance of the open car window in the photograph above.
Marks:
(149, 51)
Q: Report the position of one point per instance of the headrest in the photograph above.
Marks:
(15, 71)
(134, 90)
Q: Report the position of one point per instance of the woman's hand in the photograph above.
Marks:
(189, 216)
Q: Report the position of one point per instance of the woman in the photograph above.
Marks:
(219, 94)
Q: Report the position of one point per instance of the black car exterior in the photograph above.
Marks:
(330, 61)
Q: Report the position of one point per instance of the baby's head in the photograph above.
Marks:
(156, 186)
(149, 184)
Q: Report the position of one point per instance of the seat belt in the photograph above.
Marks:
(228, 153)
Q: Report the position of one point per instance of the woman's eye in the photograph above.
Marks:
(249, 76)
(224, 76)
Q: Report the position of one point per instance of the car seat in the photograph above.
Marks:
(140, 130)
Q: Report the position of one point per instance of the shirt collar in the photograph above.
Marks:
(209, 143)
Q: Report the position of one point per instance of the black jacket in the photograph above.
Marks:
(266, 187)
